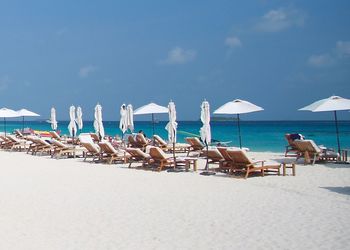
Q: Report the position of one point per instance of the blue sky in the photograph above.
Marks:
(278, 54)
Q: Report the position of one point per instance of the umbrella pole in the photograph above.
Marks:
(206, 164)
(337, 130)
(174, 155)
(239, 132)
(22, 124)
(5, 125)
(153, 122)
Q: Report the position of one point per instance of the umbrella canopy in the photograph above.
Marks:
(72, 126)
(151, 108)
(205, 118)
(53, 120)
(333, 103)
(25, 112)
(7, 113)
(130, 117)
(79, 119)
(172, 124)
(238, 107)
(123, 119)
(98, 125)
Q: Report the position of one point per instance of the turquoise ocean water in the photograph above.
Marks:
(256, 135)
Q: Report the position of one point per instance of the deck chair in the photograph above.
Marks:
(109, 154)
(162, 160)
(179, 147)
(213, 155)
(92, 150)
(138, 156)
(141, 140)
(60, 149)
(17, 144)
(195, 145)
(6, 143)
(309, 150)
(291, 149)
(57, 137)
(95, 137)
(39, 145)
(242, 163)
(227, 163)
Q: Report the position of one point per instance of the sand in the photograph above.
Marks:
(70, 204)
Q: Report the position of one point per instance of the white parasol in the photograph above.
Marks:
(72, 126)
(151, 108)
(333, 103)
(130, 118)
(7, 113)
(53, 120)
(79, 119)
(123, 119)
(98, 125)
(238, 107)
(25, 112)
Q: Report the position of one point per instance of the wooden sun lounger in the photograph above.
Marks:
(17, 144)
(60, 149)
(162, 160)
(109, 154)
(242, 163)
(309, 150)
(6, 143)
(195, 145)
(138, 156)
(39, 145)
(213, 155)
(92, 150)
(179, 147)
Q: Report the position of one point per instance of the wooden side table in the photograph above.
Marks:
(190, 161)
(286, 165)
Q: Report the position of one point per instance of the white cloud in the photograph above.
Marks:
(280, 19)
(86, 71)
(336, 55)
(179, 56)
(343, 48)
(320, 60)
(233, 42)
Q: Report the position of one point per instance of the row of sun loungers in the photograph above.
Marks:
(152, 154)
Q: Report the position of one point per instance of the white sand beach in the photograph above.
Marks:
(71, 204)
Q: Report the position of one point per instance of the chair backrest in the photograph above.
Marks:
(18, 133)
(94, 137)
(140, 138)
(54, 135)
(194, 142)
(131, 141)
(106, 147)
(13, 138)
(307, 145)
(213, 154)
(86, 138)
(42, 142)
(157, 153)
(160, 140)
(239, 156)
(137, 153)
(4, 138)
(223, 152)
(58, 144)
(91, 147)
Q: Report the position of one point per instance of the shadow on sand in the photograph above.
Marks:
(339, 190)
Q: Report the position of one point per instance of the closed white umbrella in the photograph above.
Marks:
(98, 125)
(130, 117)
(172, 127)
(72, 126)
(151, 108)
(205, 131)
(25, 112)
(53, 120)
(7, 113)
(333, 103)
(79, 119)
(238, 107)
(123, 119)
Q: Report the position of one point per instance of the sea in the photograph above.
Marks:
(256, 135)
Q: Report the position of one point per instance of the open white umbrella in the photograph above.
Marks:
(53, 120)
(151, 108)
(25, 112)
(123, 119)
(72, 126)
(98, 125)
(7, 113)
(79, 119)
(205, 129)
(333, 103)
(237, 107)
(130, 117)
(172, 127)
